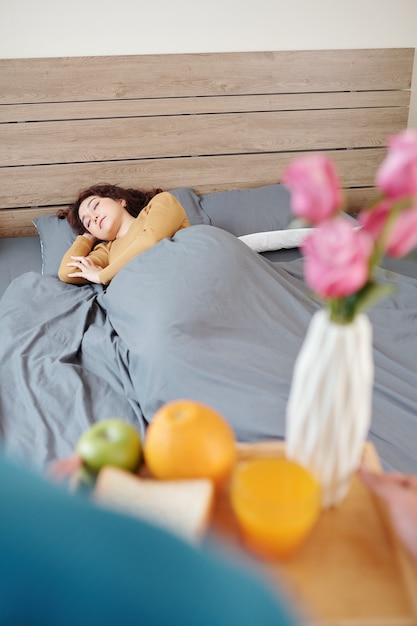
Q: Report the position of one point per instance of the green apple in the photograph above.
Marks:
(110, 442)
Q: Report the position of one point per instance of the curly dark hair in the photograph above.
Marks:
(136, 200)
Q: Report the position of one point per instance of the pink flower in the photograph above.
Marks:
(316, 193)
(397, 176)
(337, 258)
(402, 236)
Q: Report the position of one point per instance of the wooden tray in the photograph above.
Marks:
(351, 571)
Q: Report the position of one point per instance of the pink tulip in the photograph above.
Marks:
(337, 258)
(315, 188)
(397, 176)
(374, 219)
(402, 236)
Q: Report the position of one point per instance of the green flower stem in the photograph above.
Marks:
(343, 310)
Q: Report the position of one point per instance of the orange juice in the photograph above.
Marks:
(276, 502)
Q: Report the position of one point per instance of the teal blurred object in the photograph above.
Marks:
(65, 561)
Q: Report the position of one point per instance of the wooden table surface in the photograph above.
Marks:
(351, 571)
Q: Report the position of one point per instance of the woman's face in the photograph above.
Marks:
(102, 217)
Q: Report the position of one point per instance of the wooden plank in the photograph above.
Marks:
(43, 185)
(197, 105)
(203, 74)
(356, 199)
(209, 121)
(187, 135)
(18, 222)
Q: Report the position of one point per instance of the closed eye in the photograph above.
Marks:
(92, 206)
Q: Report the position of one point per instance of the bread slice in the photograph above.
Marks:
(181, 506)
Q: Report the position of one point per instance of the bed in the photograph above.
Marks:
(203, 315)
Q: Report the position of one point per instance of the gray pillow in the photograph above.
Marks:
(246, 211)
(191, 203)
(56, 235)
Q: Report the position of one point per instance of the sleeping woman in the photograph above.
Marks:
(125, 222)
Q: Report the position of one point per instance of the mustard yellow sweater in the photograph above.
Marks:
(161, 218)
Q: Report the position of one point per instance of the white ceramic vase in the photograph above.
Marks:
(330, 402)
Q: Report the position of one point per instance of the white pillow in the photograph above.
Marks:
(276, 239)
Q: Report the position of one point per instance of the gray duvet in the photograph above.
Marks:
(200, 316)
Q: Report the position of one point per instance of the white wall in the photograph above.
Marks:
(101, 27)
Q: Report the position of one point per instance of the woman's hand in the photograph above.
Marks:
(399, 491)
(85, 269)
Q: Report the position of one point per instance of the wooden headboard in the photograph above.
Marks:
(210, 121)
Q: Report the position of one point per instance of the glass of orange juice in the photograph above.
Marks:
(276, 502)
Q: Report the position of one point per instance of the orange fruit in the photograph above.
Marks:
(187, 439)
